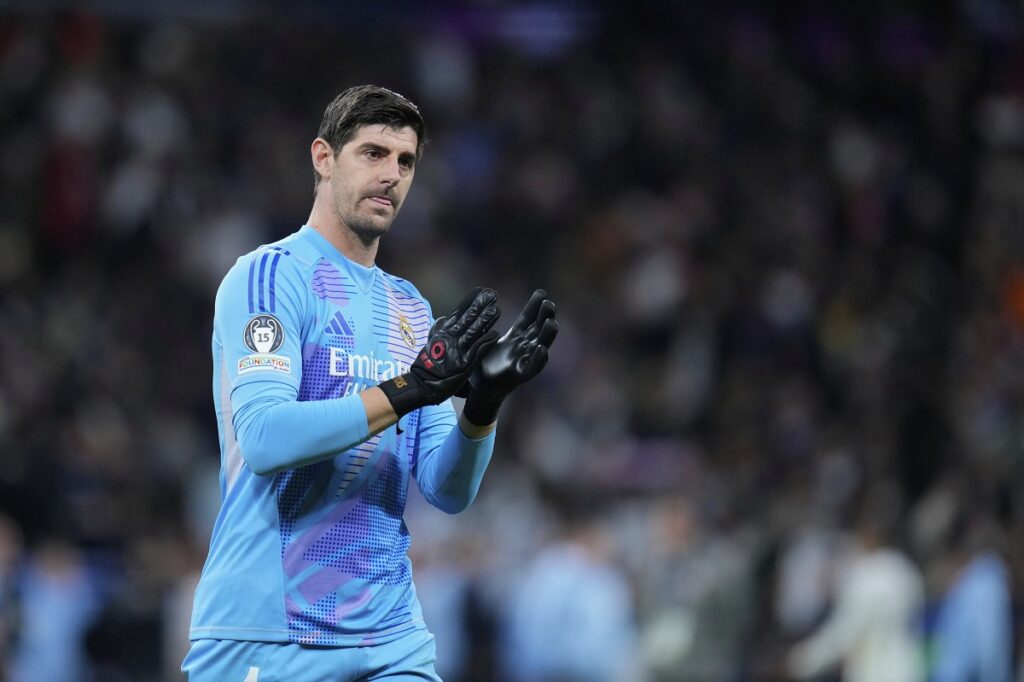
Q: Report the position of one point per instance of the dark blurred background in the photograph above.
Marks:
(781, 435)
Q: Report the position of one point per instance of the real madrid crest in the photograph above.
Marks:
(407, 334)
(264, 334)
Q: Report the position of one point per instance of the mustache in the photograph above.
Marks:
(390, 196)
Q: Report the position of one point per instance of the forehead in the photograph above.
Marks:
(399, 139)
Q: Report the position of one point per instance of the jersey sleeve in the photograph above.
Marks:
(451, 465)
(259, 323)
(258, 320)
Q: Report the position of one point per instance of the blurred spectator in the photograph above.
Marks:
(443, 586)
(571, 619)
(814, 545)
(972, 636)
(873, 633)
(59, 601)
(699, 597)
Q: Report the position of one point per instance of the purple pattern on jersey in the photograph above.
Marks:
(323, 582)
(317, 381)
(328, 283)
(335, 566)
(361, 541)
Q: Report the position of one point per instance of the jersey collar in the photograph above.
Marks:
(362, 275)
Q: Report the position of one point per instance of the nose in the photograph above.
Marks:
(390, 171)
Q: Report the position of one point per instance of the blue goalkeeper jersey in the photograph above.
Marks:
(310, 545)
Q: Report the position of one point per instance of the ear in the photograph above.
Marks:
(322, 156)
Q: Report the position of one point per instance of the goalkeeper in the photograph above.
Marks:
(331, 385)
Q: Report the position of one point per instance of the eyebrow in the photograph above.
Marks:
(404, 156)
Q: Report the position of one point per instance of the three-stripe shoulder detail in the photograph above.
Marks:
(263, 273)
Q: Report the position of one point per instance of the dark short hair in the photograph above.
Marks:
(367, 105)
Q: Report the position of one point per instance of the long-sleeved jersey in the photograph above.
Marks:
(310, 545)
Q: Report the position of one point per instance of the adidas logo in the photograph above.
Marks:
(338, 326)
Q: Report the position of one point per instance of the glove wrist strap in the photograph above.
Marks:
(405, 393)
(480, 412)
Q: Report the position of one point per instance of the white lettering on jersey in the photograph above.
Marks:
(366, 367)
(253, 676)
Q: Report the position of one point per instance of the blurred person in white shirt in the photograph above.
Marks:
(873, 633)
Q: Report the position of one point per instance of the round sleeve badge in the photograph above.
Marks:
(264, 334)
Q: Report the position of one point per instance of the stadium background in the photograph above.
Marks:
(787, 250)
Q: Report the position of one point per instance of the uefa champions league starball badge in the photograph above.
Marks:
(264, 334)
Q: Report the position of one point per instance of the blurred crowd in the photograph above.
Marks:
(781, 436)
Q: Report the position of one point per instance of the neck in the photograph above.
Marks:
(326, 222)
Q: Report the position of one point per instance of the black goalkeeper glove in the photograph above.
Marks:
(455, 346)
(517, 357)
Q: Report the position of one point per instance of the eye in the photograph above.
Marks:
(373, 154)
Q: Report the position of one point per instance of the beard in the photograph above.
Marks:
(367, 228)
